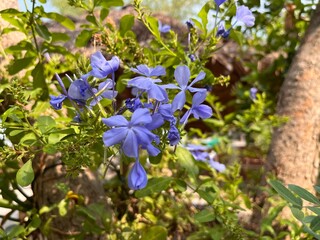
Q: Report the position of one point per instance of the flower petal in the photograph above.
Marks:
(198, 98)
(140, 116)
(158, 93)
(130, 145)
(144, 136)
(114, 136)
(137, 178)
(157, 71)
(245, 16)
(202, 111)
(142, 69)
(182, 75)
(141, 83)
(157, 121)
(198, 78)
(115, 121)
(179, 101)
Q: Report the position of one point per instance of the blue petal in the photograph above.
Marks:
(219, 2)
(144, 136)
(130, 145)
(56, 102)
(142, 69)
(80, 90)
(157, 121)
(157, 71)
(114, 136)
(192, 89)
(245, 16)
(158, 93)
(137, 178)
(152, 150)
(173, 135)
(220, 167)
(141, 83)
(200, 76)
(182, 76)
(185, 117)
(171, 86)
(202, 111)
(115, 121)
(198, 98)
(179, 101)
(101, 68)
(140, 116)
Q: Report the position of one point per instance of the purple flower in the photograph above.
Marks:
(173, 135)
(56, 102)
(192, 57)
(199, 152)
(157, 121)
(253, 93)
(197, 109)
(137, 178)
(245, 16)
(219, 2)
(182, 75)
(101, 68)
(149, 72)
(133, 104)
(166, 112)
(190, 24)
(223, 32)
(220, 167)
(80, 91)
(130, 134)
(163, 28)
(107, 91)
(148, 84)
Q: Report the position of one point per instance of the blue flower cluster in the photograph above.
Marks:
(150, 108)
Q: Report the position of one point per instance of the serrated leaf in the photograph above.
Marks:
(303, 193)
(286, 194)
(154, 233)
(155, 185)
(83, 38)
(25, 174)
(205, 216)
(126, 23)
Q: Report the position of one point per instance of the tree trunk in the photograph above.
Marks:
(294, 150)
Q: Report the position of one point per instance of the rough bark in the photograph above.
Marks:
(294, 151)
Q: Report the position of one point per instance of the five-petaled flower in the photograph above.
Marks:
(148, 84)
(101, 68)
(182, 75)
(130, 134)
(244, 15)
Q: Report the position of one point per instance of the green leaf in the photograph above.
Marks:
(59, 36)
(315, 224)
(15, 231)
(104, 13)
(25, 174)
(303, 193)
(28, 139)
(126, 23)
(39, 80)
(237, 36)
(153, 24)
(64, 21)
(155, 159)
(286, 194)
(45, 123)
(19, 64)
(154, 233)
(185, 159)
(111, 3)
(63, 207)
(83, 38)
(297, 213)
(205, 216)
(203, 15)
(316, 210)
(155, 185)
(207, 195)
(43, 32)
(43, 1)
